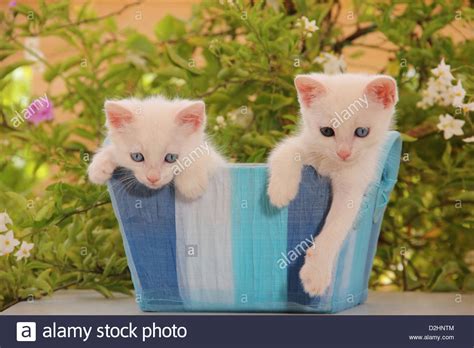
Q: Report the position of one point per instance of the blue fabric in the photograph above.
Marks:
(259, 240)
(252, 251)
(306, 218)
(147, 220)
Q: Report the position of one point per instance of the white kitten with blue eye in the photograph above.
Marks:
(150, 136)
(345, 122)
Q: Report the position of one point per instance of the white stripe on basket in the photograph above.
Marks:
(203, 227)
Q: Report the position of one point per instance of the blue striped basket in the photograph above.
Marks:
(230, 250)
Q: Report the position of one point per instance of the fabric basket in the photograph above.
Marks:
(231, 250)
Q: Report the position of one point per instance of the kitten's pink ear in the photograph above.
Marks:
(383, 90)
(308, 89)
(117, 115)
(193, 115)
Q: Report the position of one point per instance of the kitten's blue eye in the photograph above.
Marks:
(137, 157)
(361, 132)
(327, 131)
(171, 157)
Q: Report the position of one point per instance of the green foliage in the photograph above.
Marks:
(241, 58)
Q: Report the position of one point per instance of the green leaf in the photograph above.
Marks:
(408, 138)
(291, 118)
(225, 73)
(446, 158)
(170, 28)
(43, 285)
(181, 62)
(109, 265)
(26, 10)
(171, 71)
(35, 264)
(45, 211)
(7, 277)
(85, 133)
(103, 290)
(141, 44)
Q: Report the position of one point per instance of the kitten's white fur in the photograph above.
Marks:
(154, 127)
(320, 96)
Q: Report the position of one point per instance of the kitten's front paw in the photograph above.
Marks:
(192, 188)
(99, 173)
(315, 274)
(282, 192)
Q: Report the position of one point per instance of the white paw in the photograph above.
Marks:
(315, 274)
(282, 192)
(100, 172)
(192, 188)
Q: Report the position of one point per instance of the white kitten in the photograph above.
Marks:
(150, 137)
(346, 119)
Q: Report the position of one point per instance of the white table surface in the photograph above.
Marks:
(88, 302)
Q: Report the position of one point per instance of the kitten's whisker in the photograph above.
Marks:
(121, 184)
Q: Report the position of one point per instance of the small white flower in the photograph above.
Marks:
(319, 59)
(4, 220)
(220, 120)
(421, 104)
(229, 2)
(24, 251)
(309, 27)
(429, 99)
(136, 60)
(331, 63)
(252, 97)
(216, 128)
(18, 162)
(450, 126)
(469, 140)
(440, 91)
(7, 243)
(443, 71)
(177, 82)
(411, 72)
(458, 93)
(467, 107)
(335, 66)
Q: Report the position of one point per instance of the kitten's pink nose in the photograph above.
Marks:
(343, 154)
(152, 178)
